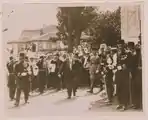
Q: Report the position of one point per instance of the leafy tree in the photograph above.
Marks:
(106, 27)
(72, 22)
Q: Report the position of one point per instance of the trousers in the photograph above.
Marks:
(22, 85)
(11, 86)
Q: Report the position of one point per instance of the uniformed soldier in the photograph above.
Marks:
(94, 61)
(86, 69)
(41, 74)
(22, 73)
(11, 78)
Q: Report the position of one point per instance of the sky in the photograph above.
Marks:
(31, 16)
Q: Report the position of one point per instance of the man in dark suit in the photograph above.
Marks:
(77, 67)
(11, 78)
(133, 59)
(68, 75)
(56, 80)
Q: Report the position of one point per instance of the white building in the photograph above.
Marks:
(131, 22)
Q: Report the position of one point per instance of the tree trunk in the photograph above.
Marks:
(70, 43)
(78, 35)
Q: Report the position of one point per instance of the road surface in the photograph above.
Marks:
(53, 103)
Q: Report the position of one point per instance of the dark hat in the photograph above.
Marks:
(131, 44)
(26, 57)
(76, 54)
(64, 56)
(57, 54)
(121, 42)
(22, 54)
(11, 58)
(94, 46)
(42, 57)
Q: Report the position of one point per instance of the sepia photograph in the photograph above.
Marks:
(72, 59)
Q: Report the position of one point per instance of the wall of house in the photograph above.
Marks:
(131, 23)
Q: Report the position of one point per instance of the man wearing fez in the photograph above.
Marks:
(11, 78)
(22, 74)
(41, 74)
(132, 65)
(120, 44)
(122, 80)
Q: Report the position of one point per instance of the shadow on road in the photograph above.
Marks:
(21, 105)
(50, 92)
(59, 102)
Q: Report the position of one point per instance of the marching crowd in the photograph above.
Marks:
(118, 69)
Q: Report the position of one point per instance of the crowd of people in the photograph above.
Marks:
(115, 70)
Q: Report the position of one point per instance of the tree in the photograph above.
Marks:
(72, 22)
(106, 27)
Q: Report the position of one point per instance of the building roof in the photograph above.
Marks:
(29, 34)
(46, 36)
(49, 28)
(49, 31)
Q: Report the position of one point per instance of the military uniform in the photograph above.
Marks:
(41, 74)
(11, 79)
(94, 60)
(22, 73)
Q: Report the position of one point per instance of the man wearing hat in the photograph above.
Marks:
(122, 80)
(11, 78)
(34, 73)
(56, 62)
(133, 66)
(22, 73)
